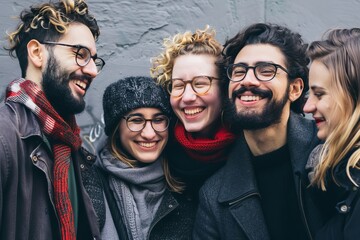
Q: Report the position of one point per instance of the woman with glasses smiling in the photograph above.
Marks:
(187, 69)
(132, 166)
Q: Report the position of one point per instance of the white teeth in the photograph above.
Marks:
(147, 144)
(193, 111)
(80, 84)
(250, 98)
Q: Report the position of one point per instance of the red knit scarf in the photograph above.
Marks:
(205, 149)
(65, 138)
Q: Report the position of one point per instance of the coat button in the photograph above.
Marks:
(82, 166)
(88, 158)
(344, 208)
(34, 158)
(170, 205)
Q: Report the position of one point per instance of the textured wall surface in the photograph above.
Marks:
(132, 32)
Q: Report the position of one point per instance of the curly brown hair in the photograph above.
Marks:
(200, 42)
(48, 22)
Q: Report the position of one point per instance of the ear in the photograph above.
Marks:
(296, 88)
(36, 53)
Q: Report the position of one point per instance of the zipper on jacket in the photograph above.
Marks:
(302, 210)
(237, 200)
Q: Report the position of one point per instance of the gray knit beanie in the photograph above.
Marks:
(130, 93)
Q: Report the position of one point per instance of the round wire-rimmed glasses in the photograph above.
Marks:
(82, 55)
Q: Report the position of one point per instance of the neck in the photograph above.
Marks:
(262, 141)
(208, 132)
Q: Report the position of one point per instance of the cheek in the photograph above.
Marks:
(173, 102)
(231, 88)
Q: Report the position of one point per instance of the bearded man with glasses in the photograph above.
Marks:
(259, 193)
(42, 195)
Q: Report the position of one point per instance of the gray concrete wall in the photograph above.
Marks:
(132, 32)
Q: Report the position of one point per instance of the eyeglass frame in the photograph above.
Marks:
(169, 83)
(79, 47)
(145, 121)
(277, 66)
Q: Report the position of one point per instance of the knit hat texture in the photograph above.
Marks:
(131, 93)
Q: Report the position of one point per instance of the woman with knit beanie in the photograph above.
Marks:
(136, 184)
(187, 69)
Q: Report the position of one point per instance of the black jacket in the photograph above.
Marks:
(340, 203)
(230, 205)
(27, 209)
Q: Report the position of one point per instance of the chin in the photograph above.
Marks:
(321, 136)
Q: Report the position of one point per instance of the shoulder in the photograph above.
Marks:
(213, 184)
(301, 125)
(340, 171)
(15, 118)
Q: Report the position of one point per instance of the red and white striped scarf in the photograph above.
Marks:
(64, 137)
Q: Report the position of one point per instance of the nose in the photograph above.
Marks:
(189, 94)
(90, 68)
(148, 132)
(310, 105)
(250, 78)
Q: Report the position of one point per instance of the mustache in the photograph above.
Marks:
(254, 90)
(82, 77)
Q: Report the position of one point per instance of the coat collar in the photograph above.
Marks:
(28, 124)
(239, 180)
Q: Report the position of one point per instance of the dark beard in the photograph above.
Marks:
(251, 120)
(56, 88)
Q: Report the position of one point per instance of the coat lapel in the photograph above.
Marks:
(240, 193)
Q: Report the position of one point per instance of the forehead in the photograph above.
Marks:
(78, 33)
(253, 53)
(319, 75)
(190, 65)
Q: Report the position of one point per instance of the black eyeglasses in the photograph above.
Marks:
(200, 84)
(137, 123)
(82, 55)
(263, 71)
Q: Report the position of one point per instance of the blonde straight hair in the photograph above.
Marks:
(340, 53)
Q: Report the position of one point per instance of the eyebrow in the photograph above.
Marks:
(142, 115)
(315, 87)
(256, 63)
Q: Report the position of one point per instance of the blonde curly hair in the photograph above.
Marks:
(48, 22)
(200, 42)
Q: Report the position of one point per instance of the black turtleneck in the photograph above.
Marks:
(275, 181)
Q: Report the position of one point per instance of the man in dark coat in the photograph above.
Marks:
(259, 194)
(41, 159)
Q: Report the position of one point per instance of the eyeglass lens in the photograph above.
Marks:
(83, 57)
(263, 72)
(137, 123)
(200, 85)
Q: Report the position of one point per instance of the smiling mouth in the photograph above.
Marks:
(319, 120)
(193, 111)
(147, 144)
(252, 98)
(81, 84)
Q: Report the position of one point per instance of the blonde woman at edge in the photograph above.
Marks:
(334, 102)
